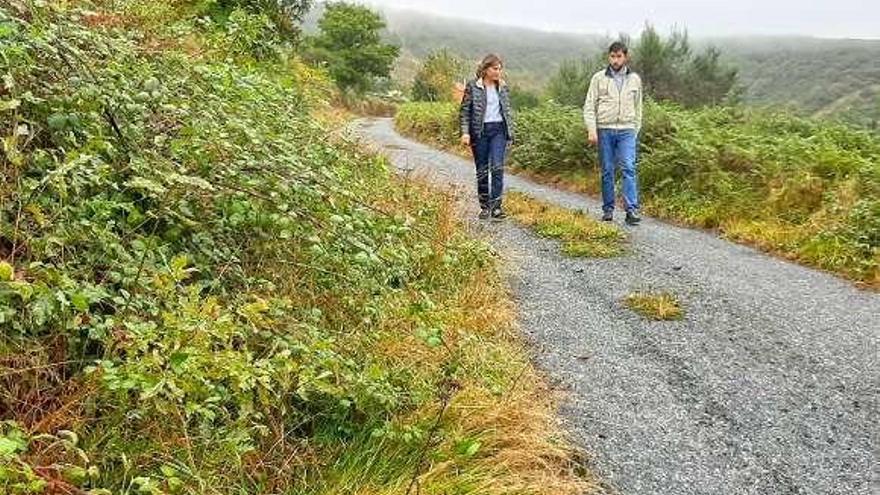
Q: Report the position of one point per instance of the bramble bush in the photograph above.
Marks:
(145, 197)
(203, 288)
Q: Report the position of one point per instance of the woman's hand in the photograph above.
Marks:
(465, 139)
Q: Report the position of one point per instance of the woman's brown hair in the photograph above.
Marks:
(489, 60)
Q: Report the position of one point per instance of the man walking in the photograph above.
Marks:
(613, 115)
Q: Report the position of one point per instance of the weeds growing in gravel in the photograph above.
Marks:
(659, 306)
(581, 235)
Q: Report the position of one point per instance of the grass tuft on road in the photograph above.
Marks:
(581, 235)
(658, 306)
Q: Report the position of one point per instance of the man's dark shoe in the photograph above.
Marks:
(608, 216)
(632, 218)
(498, 213)
(484, 213)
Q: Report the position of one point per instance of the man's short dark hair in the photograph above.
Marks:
(618, 46)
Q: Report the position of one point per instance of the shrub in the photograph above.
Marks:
(551, 137)
(434, 122)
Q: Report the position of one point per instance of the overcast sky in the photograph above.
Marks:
(826, 18)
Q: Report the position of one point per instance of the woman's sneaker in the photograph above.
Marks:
(632, 218)
(498, 213)
(484, 213)
(608, 216)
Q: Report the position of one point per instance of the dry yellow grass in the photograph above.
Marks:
(581, 235)
(773, 236)
(655, 306)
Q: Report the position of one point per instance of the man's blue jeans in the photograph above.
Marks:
(617, 148)
(489, 150)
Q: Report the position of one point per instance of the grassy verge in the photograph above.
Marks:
(581, 235)
(489, 420)
(204, 289)
(659, 306)
(803, 189)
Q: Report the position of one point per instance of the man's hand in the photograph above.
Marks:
(465, 139)
(592, 137)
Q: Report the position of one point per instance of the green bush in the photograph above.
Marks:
(523, 99)
(435, 122)
(551, 138)
(437, 76)
(136, 223)
(726, 166)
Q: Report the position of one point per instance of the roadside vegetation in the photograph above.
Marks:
(206, 289)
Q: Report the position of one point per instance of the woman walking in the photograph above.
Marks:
(487, 127)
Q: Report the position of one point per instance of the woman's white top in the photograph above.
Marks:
(493, 105)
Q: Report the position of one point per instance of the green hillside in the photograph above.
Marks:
(822, 77)
(531, 56)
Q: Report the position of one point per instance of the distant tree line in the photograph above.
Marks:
(670, 68)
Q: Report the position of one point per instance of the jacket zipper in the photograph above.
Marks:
(619, 100)
(485, 101)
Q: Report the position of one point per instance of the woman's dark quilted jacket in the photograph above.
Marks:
(473, 109)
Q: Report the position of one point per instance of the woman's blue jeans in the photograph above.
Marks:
(489, 150)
